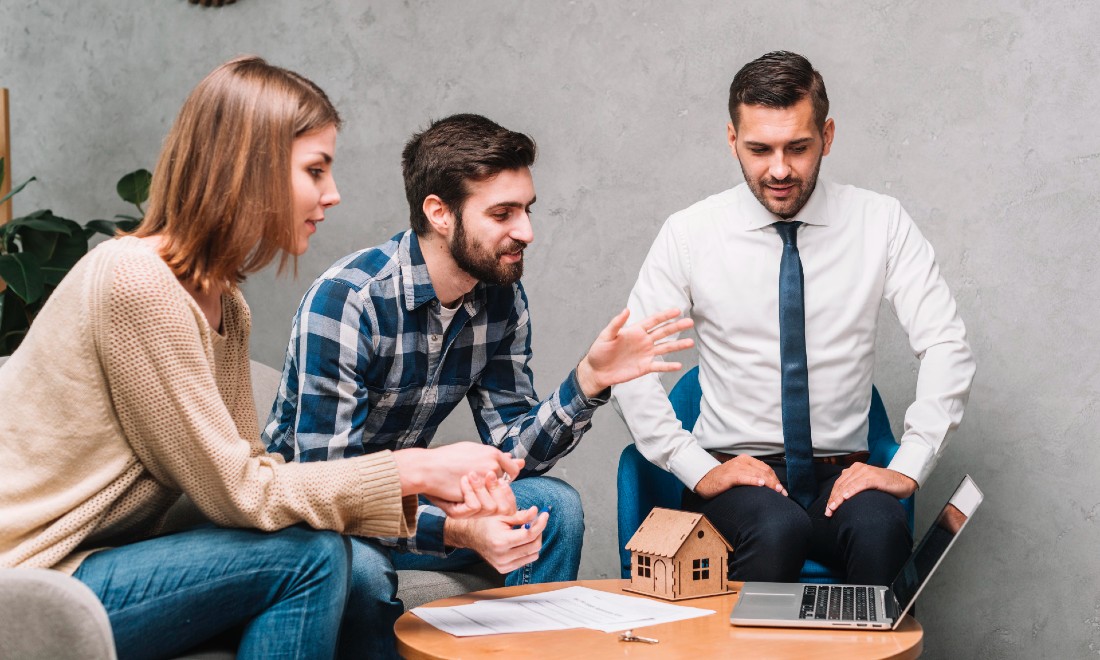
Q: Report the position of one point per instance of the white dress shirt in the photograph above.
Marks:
(718, 260)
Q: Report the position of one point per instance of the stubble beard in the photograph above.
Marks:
(789, 209)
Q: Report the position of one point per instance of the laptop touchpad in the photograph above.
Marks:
(771, 605)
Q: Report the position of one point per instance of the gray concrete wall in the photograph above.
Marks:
(980, 117)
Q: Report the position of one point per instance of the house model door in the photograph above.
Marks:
(660, 576)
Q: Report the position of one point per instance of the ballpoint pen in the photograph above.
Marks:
(527, 525)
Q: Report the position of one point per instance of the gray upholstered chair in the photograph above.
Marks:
(46, 614)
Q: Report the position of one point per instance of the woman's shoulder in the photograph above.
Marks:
(128, 249)
(127, 274)
(133, 264)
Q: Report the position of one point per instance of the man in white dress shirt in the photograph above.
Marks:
(849, 249)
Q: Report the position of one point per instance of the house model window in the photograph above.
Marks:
(674, 552)
(700, 569)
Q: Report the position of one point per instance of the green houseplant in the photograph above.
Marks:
(38, 249)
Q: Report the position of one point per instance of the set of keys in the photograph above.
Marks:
(629, 636)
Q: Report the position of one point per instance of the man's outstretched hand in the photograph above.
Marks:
(623, 353)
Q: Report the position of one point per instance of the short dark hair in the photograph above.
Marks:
(452, 151)
(779, 80)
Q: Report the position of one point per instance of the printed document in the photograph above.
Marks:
(571, 607)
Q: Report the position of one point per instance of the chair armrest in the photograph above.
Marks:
(47, 614)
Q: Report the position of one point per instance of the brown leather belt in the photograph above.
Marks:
(842, 459)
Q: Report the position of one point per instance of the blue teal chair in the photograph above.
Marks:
(642, 485)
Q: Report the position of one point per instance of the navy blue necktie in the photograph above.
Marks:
(801, 482)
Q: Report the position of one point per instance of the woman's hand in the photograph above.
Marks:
(464, 479)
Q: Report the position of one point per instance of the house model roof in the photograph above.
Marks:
(665, 530)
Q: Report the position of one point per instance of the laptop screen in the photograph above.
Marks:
(924, 560)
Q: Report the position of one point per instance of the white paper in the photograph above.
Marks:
(571, 607)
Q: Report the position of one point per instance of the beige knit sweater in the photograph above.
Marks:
(121, 397)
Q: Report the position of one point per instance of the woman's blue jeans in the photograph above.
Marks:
(286, 589)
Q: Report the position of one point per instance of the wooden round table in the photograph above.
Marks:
(697, 638)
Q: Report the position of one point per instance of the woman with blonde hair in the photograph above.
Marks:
(132, 388)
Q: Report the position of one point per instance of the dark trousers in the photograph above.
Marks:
(867, 538)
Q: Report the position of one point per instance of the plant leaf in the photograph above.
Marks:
(101, 227)
(16, 189)
(39, 243)
(23, 273)
(68, 251)
(128, 225)
(42, 220)
(134, 187)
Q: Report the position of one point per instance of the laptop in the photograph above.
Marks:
(787, 605)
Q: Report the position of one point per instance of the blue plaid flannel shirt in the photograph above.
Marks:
(368, 368)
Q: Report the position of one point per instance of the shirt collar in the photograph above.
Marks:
(414, 272)
(756, 216)
(418, 284)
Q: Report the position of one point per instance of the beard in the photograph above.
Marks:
(789, 208)
(481, 262)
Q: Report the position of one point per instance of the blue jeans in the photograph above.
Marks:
(373, 606)
(287, 589)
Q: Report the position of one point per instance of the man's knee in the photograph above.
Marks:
(874, 517)
(562, 500)
(761, 517)
(770, 543)
(873, 509)
(873, 537)
(780, 533)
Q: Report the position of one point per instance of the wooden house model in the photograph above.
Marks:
(676, 555)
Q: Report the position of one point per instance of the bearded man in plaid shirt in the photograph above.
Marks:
(389, 340)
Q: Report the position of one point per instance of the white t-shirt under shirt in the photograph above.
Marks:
(446, 315)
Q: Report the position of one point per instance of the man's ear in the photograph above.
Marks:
(731, 137)
(827, 135)
(439, 215)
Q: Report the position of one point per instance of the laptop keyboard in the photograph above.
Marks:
(840, 603)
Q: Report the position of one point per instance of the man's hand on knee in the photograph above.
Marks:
(860, 477)
(741, 470)
(503, 541)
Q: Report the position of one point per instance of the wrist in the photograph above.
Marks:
(410, 470)
(910, 485)
(455, 533)
(709, 486)
(586, 378)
